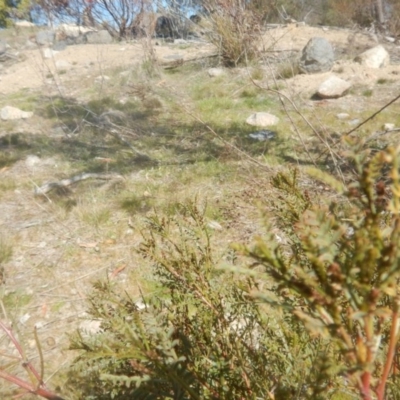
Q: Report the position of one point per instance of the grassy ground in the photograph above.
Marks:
(191, 128)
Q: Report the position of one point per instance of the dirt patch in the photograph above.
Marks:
(85, 61)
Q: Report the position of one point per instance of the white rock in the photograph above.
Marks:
(377, 57)
(390, 39)
(8, 113)
(213, 72)
(180, 41)
(102, 78)
(342, 116)
(24, 24)
(24, 318)
(333, 88)
(32, 161)
(262, 119)
(72, 30)
(388, 126)
(215, 225)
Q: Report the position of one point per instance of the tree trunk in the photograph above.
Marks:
(379, 11)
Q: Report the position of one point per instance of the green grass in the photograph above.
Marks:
(6, 250)
(288, 69)
(95, 217)
(134, 204)
(368, 93)
(382, 81)
(16, 300)
(23, 99)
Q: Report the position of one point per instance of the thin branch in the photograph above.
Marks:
(380, 391)
(41, 389)
(363, 122)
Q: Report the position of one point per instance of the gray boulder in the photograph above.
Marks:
(45, 38)
(99, 37)
(318, 56)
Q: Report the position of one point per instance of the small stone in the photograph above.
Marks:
(24, 318)
(102, 78)
(9, 113)
(214, 72)
(262, 119)
(124, 74)
(390, 39)
(388, 126)
(215, 225)
(342, 116)
(333, 88)
(32, 161)
(25, 24)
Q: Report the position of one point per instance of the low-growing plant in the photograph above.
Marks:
(315, 315)
(201, 337)
(367, 93)
(288, 69)
(5, 250)
(340, 269)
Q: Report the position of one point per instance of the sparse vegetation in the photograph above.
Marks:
(235, 30)
(288, 69)
(228, 261)
(367, 93)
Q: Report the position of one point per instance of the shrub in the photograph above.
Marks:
(202, 337)
(235, 30)
(313, 316)
(340, 271)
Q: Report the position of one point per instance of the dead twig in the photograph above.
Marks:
(42, 190)
(363, 123)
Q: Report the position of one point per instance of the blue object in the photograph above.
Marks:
(263, 135)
